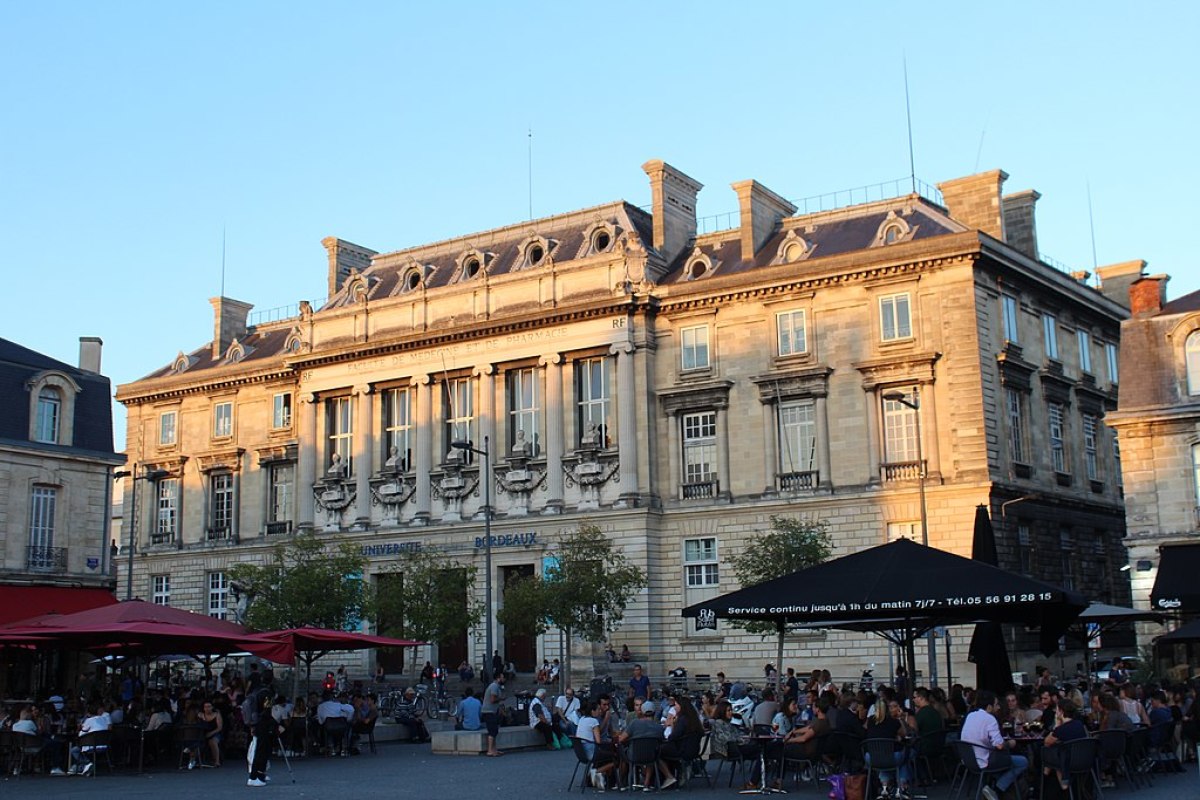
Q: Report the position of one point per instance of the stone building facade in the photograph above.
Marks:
(675, 388)
(1158, 422)
(56, 468)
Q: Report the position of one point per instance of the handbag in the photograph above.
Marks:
(837, 787)
(856, 787)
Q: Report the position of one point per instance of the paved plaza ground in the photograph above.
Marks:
(409, 770)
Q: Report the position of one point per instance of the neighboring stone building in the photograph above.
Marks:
(1158, 421)
(677, 389)
(56, 467)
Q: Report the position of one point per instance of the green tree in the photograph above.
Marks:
(430, 598)
(583, 591)
(789, 546)
(306, 584)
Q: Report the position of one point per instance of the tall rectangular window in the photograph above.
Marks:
(459, 405)
(221, 508)
(1050, 335)
(1008, 313)
(792, 333)
(797, 437)
(593, 394)
(1116, 452)
(694, 345)
(904, 530)
(339, 427)
(1089, 447)
(1110, 356)
(1017, 434)
(1066, 546)
(281, 410)
(1058, 453)
(1024, 551)
(397, 429)
(280, 489)
(49, 409)
(160, 590)
(43, 504)
(700, 447)
(899, 432)
(1085, 350)
(166, 496)
(218, 595)
(700, 562)
(524, 410)
(166, 428)
(222, 420)
(895, 317)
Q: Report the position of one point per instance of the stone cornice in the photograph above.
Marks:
(900, 368)
(710, 394)
(785, 384)
(155, 390)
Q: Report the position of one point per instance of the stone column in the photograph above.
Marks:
(554, 432)
(825, 480)
(674, 456)
(235, 519)
(929, 431)
(873, 441)
(423, 448)
(363, 466)
(771, 431)
(627, 443)
(306, 459)
(486, 380)
(726, 490)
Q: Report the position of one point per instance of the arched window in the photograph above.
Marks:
(49, 412)
(1191, 351)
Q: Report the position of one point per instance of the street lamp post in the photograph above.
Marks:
(147, 475)
(915, 406)
(487, 547)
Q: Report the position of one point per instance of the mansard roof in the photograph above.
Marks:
(262, 347)
(1181, 305)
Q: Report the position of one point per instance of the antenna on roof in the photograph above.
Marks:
(530, 162)
(912, 167)
(979, 150)
(1092, 225)
(222, 261)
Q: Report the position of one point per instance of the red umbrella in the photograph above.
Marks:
(138, 626)
(309, 644)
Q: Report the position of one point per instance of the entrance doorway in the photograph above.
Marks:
(520, 649)
(452, 650)
(392, 658)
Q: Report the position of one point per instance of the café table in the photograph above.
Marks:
(764, 784)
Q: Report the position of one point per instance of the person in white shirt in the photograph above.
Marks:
(98, 721)
(981, 729)
(539, 719)
(566, 708)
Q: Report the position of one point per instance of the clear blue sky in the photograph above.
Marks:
(133, 133)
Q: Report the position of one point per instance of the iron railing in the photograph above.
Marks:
(279, 528)
(46, 559)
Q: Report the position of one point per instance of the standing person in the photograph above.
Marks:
(265, 732)
(901, 683)
(980, 728)
(639, 684)
(497, 664)
(791, 686)
(490, 711)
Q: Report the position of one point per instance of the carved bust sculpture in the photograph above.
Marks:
(591, 435)
(393, 460)
(336, 469)
(520, 445)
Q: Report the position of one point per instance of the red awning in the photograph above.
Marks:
(24, 602)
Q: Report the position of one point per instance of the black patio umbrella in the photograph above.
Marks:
(899, 590)
(1099, 618)
(988, 652)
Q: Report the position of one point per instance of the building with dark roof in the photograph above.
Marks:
(1158, 421)
(56, 468)
(674, 385)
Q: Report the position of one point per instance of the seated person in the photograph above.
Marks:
(980, 728)
(645, 726)
(626, 656)
(603, 754)
(468, 715)
(566, 710)
(465, 672)
(1069, 729)
(84, 756)
(405, 715)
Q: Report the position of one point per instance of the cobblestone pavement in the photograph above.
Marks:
(409, 770)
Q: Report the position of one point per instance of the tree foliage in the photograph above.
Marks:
(789, 546)
(584, 591)
(431, 597)
(306, 584)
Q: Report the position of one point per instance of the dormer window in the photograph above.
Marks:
(698, 265)
(600, 237)
(294, 343)
(894, 230)
(49, 413)
(412, 280)
(794, 247)
(472, 263)
(471, 268)
(235, 353)
(358, 290)
(601, 241)
(182, 362)
(535, 254)
(52, 408)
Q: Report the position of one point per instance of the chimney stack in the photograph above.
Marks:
(1148, 295)
(1116, 280)
(229, 322)
(344, 257)
(760, 211)
(975, 201)
(673, 206)
(89, 353)
(1020, 229)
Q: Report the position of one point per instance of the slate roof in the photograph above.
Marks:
(261, 345)
(93, 405)
(1182, 305)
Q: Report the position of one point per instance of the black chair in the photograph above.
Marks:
(793, 758)
(640, 753)
(847, 750)
(1162, 747)
(336, 729)
(1114, 754)
(971, 769)
(93, 746)
(27, 750)
(191, 740)
(1078, 760)
(6, 750)
(880, 757)
(1139, 755)
(931, 750)
(691, 762)
(582, 759)
(736, 761)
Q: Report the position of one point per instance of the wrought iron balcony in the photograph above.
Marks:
(162, 537)
(797, 481)
(902, 470)
(700, 489)
(219, 534)
(46, 559)
(279, 528)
